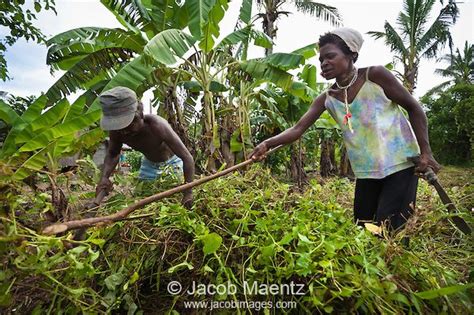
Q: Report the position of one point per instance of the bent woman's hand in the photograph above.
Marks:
(427, 160)
(259, 153)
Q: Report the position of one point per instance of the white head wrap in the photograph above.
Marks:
(351, 37)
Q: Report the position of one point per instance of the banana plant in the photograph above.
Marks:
(38, 138)
(154, 40)
(92, 55)
(279, 109)
(213, 67)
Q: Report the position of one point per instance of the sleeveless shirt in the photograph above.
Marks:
(382, 138)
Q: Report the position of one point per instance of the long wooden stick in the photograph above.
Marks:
(89, 222)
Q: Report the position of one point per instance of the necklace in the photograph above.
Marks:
(348, 115)
(354, 78)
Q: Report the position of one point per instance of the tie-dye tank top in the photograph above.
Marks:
(382, 138)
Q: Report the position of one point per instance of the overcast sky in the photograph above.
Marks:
(30, 75)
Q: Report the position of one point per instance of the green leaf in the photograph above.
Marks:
(180, 266)
(168, 44)
(261, 39)
(61, 130)
(284, 61)
(211, 242)
(113, 281)
(211, 30)
(246, 11)
(91, 138)
(235, 144)
(33, 164)
(308, 75)
(77, 292)
(307, 52)
(267, 73)
(34, 110)
(7, 114)
(198, 11)
(134, 278)
(286, 239)
(133, 75)
(389, 66)
(37, 7)
(127, 13)
(195, 86)
(400, 298)
(268, 251)
(46, 120)
(165, 14)
(433, 294)
(235, 37)
(76, 108)
(206, 268)
(304, 239)
(326, 122)
(217, 87)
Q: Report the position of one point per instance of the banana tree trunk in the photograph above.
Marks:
(297, 172)
(327, 161)
(345, 169)
(209, 142)
(226, 135)
(175, 118)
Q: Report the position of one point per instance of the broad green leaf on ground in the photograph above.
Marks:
(433, 294)
(212, 242)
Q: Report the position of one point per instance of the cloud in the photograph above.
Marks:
(27, 60)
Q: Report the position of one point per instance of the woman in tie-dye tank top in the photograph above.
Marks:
(378, 138)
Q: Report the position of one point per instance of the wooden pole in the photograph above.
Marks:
(118, 216)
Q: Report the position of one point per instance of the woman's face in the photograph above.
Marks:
(333, 61)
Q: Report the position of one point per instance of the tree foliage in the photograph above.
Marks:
(18, 19)
(274, 10)
(450, 124)
(416, 38)
(460, 69)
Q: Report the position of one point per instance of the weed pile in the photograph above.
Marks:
(251, 242)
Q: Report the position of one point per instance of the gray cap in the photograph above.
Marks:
(119, 106)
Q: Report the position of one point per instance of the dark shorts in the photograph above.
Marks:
(389, 200)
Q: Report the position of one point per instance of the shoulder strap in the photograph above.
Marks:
(367, 74)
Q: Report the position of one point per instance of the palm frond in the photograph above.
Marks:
(322, 11)
(391, 38)
(438, 34)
